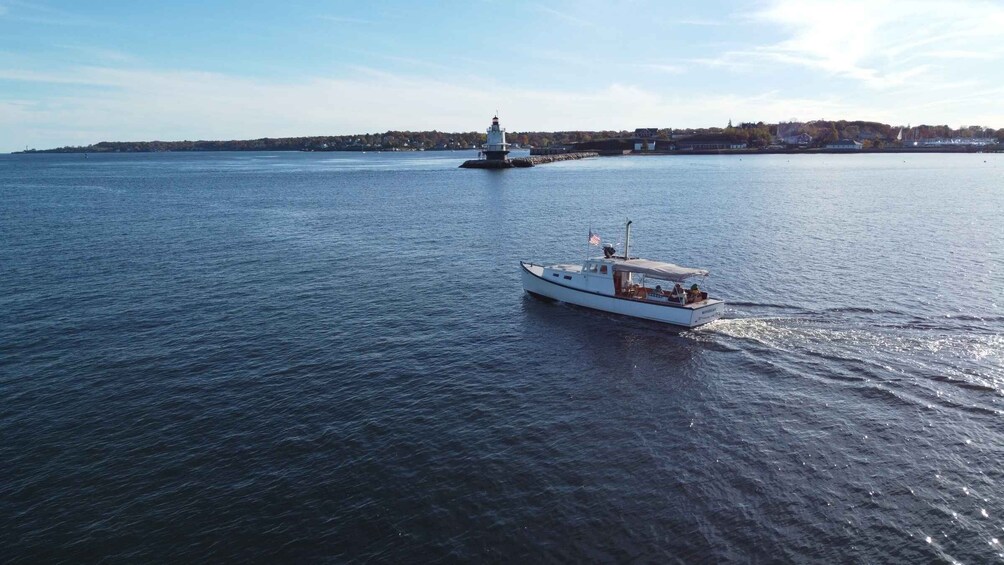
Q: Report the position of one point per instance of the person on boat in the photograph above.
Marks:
(678, 291)
(694, 294)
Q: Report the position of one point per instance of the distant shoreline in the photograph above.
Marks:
(822, 151)
(740, 152)
(746, 138)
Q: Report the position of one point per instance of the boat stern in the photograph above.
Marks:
(706, 313)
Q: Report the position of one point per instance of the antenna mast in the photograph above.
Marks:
(627, 241)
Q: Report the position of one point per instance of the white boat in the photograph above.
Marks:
(626, 285)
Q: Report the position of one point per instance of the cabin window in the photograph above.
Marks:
(569, 277)
(603, 269)
(554, 274)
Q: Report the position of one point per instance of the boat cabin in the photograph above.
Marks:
(635, 279)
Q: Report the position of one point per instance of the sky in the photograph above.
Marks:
(76, 73)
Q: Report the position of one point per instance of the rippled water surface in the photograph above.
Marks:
(329, 357)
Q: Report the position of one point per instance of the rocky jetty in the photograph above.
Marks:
(521, 162)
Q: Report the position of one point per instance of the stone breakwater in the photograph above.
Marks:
(531, 161)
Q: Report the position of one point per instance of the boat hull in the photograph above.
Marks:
(688, 316)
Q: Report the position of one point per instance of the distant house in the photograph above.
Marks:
(644, 139)
(845, 145)
(797, 139)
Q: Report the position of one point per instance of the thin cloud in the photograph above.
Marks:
(147, 104)
(986, 55)
(566, 17)
(566, 59)
(699, 22)
(415, 62)
(872, 43)
(37, 14)
(663, 68)
(65, 77)
(730, 60)
(100, 53)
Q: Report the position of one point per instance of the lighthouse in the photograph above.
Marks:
(496, 149)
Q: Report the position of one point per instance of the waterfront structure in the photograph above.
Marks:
(845, 145)
(496, 149)
(702, 142)
(645, 139)
(552, 150)
(955, 142)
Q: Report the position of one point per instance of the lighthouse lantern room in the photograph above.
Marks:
(496, 149)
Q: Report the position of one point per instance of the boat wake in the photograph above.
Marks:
(959, 358)
(794, 333)
(767, 305)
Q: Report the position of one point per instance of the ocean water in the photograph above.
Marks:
(303, 357)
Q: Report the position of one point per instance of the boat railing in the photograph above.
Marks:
(649, 294)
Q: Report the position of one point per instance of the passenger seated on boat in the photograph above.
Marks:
(694, 294)
(658, 288)
(678, 294)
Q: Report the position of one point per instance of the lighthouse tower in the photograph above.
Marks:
(496, 149)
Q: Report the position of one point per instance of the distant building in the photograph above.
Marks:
(845, 145)
(644, 139)
(796, 139)
(708, 142)
(496, 149)
(791, 132)
(955, 142)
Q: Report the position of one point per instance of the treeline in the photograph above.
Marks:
(400, 140)
(822, 132)
(759, 134)
(388, 141)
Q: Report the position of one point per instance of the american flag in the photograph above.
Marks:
(594, 238)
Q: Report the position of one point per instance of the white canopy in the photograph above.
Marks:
(664, 271)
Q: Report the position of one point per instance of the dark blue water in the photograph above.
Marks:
(329, 357)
